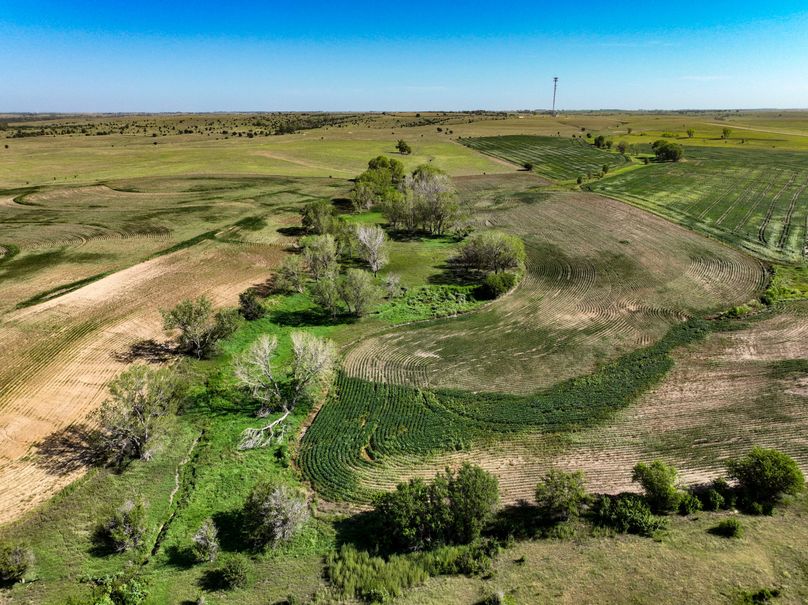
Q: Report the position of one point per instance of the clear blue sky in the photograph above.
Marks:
(204, 56)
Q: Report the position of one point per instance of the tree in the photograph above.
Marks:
(358, 291)
(15, 561)
(726, 133)
(392, 284)
(320, 252)
(291, 275)
(206, 542)
(273, 514)
(403, 147)
(310, 372)
(363, 196)
(452, 509)
(666, 151)
(622, 147)
(765, 475)
(249, 305)
(126, 528)
(372, 246)
(658, 481)
(325, 292)
(318, 217)
(434, 204)
(691, 132)
(140, 398)
(199, 328)
(600, 141)
(473, 498)
(561, 495)
(492, 251)
(233, 571)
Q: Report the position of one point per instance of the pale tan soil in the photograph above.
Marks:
(57, 357)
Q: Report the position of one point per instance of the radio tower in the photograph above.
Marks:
(555, 86)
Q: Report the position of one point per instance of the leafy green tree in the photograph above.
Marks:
(325, 292)
(233, 571)
(473, 497)
(363, 196)
(561, 495)
(249, 305)
(622, 147)
(691, 132)
(273, 514)
(666, 151)
(403, 147)
(140, 398)
(492, 251)
(764, 476)
(318, 217)
(658, 481)
(15, 561)
(198, 328)
(432, 200)
(358, 291)
(726, 133)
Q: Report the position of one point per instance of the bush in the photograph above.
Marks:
(561, 495)
(360, 575)
(667, 152)
(206, 542)
(689, 504)
(497, 284)
(15, 561)
(123, 588)
(658, 481)
(492, 251)
(199, 328)
(626, 513)
(452, 509)
(728, 528)
(233, 571)
(528, 166)
(273, 514)
(126, 528)
(249, 305)
(764, 476)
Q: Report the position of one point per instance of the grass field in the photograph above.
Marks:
(552, 157)
(757, 200)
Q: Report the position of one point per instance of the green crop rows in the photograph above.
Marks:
(752, 198)
(553, 157)
(366, 423)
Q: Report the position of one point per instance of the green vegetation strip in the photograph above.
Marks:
(367, 423)
(60, 290)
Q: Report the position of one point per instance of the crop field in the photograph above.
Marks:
(554, 157)
(602, 279)
(757, 200)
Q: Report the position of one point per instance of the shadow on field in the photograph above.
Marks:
(181, 558)
(309, 317)
(67, 451)
(150, 351)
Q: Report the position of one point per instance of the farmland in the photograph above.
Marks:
(613, 348)
(756, 200)
(553, 157)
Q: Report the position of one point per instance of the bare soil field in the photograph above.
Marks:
(57, 357)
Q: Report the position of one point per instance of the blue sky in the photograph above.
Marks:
(221, 56)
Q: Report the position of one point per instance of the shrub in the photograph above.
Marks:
(666, 151)
(233, 571)
(249, 305)
(658, 482)
(126, 528)
(273, 514)
(403, 147)
(728, 528)
(358, 291)
(765, 475)
(198, 328)
(123, 588)
(626, 513)
(497, 284)
(15, 561)
(757, 597)
(492, 251)
(360, 575)
(689, 504)
(561, 495)
(528, 166)
(712, 500)
(291, 275)
(206, 542)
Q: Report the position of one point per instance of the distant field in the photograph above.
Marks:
(554, 157)
(755, 199)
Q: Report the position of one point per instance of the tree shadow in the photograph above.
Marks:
(264, 288)
(229, 525)
(521, 521)
(308, 317)
(360, 530)
(343, 205)
(101, 544)
(68, 450)
(212, 580)
(149, 350)
(454, 274)
(293, 231)
(181, 558)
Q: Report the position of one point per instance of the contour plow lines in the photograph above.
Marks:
(747, 193)
(758, 199)
(789, 212)
(772, 205)
(742, 190)
(51, 383)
